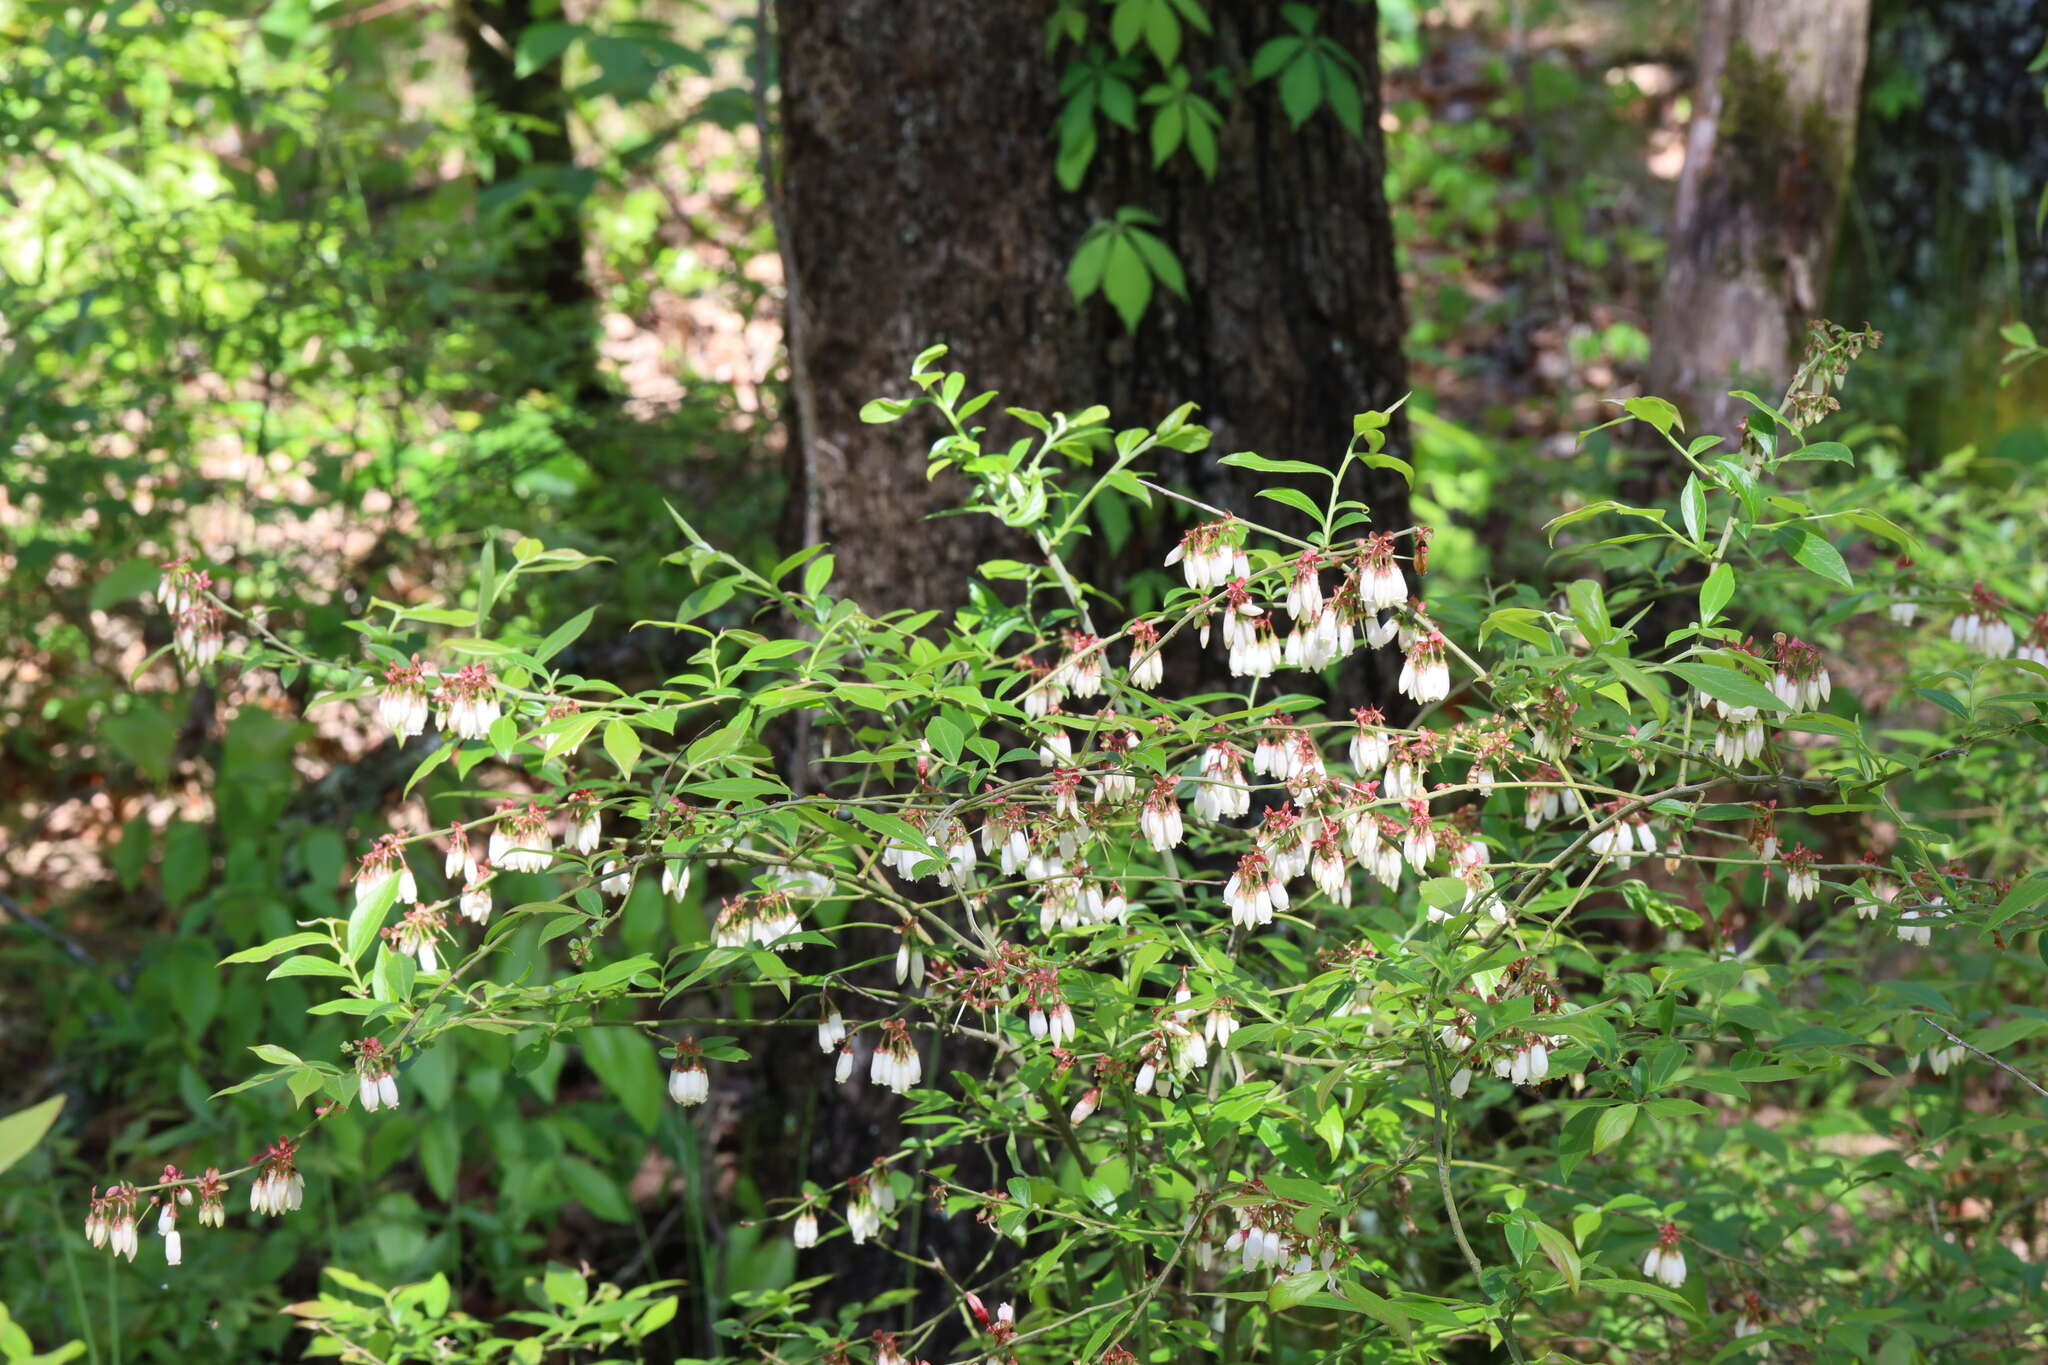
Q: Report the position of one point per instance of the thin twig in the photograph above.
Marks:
(2007, 1067)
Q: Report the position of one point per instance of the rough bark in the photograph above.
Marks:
(1293, 322)
(918, 180)
(1767, 163)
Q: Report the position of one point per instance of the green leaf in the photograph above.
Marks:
(622, 743)
(626, 1063)
(1648, 1289)
(1588, 601)
(1301, 89)
(1716, 591)
(1126, 281)
(304, 1083)
(540, 44)
(368, 917)
(441, 1155)
(1295, 498)
(125, 582)
(1167, 127)
(1442, 893)
(1160, 260)
(1947, 701)
(1376, 1308)
(1817, 554)
(1613, 1126)
(594, 1190)
(1245, 459)
(277, 947)
(564, 635)
(946, 737)
(308, 966)
(2024, 896)
(1290, 1290)
(1657, 412)
(487, 583)
(1558, 1247)
(879, 410)
(1519, 622)
(439, 754)
(21, 1130)
(1725, 684)
(1692, 505)
(1330, 1128)
(1273, 55)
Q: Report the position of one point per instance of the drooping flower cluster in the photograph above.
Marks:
(278, 1188)
(896, 1064)
(1254, 651)
(831, 1029)
(1079, 671)
(582, 826)
(474, 902)
(1253, 893)
(197, 633)
(1212, 554)
(1904, 607)
(1801, 680)
(402, 705)
(382, 867)
(1982, 625)
(521, 840)
(910, 945)
(1554, 732)
(1425, 675)
(1546, 801)
(1665, 1263)
(1147, 668)
(1801, 881)
(1624, 839)
(1222, 793)
(688, 1082)
(213, 1193)
(177, 1195)
(868, 1197)
(1751, 1317)
(110, 1221)
(955, 868)
(757, 919)
(468, 702)
(1047, 1013)
(1940, 1059)
(419, 932)
(1266, 1237)
(1370, 744)
(376, 1087)
(1160, 820)
(181, 585)
(2035, 648)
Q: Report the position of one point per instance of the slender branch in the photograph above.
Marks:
(2007, 1067)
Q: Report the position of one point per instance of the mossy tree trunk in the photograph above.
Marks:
(918, 184)
(1767, 163)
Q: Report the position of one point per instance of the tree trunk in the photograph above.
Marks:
(918, 184)
(1767, 162)
(545, 261)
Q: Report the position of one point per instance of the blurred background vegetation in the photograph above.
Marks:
(328, 295)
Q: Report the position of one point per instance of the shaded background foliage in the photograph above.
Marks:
(328, 295)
